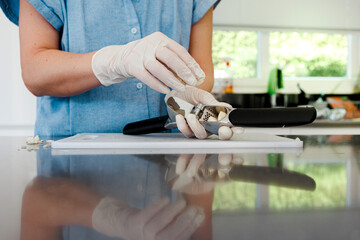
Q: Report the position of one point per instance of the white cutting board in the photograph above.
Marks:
(172, 141)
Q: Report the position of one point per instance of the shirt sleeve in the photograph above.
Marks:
(201, 7)
(11, 10)
(51, 10)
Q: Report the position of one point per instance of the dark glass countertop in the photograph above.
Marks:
(308, 194)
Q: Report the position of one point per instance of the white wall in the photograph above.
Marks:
(313, 14)
(17, 105)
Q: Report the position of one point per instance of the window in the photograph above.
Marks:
(330, 188)
(330, 178)
(237, 47)
(309, 54)
(321, 62)
(234, 196)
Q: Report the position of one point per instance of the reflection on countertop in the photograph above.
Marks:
(254, 195)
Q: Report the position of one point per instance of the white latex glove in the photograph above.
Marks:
(159, 220)
(156, 60)
(189, 125)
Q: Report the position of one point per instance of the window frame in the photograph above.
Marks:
(315, 85)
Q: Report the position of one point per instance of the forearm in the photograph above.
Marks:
(46, 70)
(200, 48)
(205, 202)
(57, 73)
(208, 84)
(49, 204)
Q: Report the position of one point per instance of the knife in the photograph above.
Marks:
(271, 176)
(213, 117)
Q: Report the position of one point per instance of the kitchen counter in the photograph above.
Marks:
(309, 194)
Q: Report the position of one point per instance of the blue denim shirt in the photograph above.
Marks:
(86, 26)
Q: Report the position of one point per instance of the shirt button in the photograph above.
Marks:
(133, 30)
(139, 85)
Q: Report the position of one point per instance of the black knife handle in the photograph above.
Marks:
(151, 125)
(272, 117)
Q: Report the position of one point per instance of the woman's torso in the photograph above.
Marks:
(90, 25)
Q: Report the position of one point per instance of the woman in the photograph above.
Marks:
(97, 65)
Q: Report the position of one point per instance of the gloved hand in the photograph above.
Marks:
(156, 60)
(159, 220)
(189, 125)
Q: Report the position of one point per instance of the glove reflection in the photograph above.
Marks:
(160, 220)
(197, 173)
